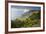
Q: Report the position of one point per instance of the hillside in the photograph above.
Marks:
(29, 19)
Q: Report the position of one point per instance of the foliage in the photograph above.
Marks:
(32, 21)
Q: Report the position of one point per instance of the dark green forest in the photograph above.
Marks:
(32, 21)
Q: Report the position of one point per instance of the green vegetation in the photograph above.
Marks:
(32, 21)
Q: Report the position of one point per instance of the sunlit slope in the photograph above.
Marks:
(29, 19)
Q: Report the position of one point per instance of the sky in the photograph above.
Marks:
(17, 11)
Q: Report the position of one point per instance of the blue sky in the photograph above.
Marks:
(17, 11)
